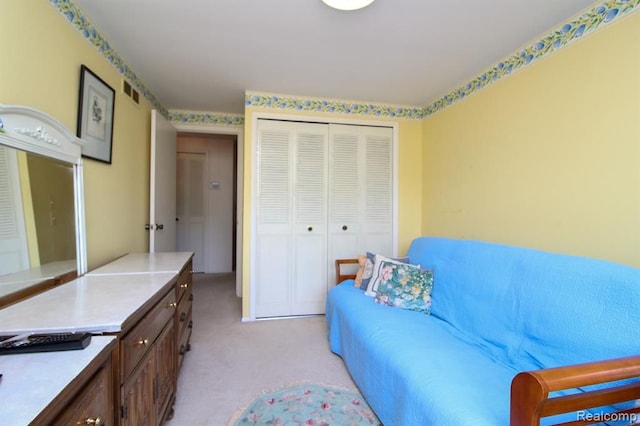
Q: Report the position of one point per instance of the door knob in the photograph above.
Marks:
(159, 226)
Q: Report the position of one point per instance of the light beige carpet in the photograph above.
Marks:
(232, 362)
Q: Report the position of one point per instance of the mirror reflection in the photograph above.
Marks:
(37, 216)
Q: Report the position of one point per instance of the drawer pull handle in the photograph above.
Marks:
(191, 297)
(172, 305)
(93, 421)
(143, 342)
(190, 324)
(183, 316)
(185, 285)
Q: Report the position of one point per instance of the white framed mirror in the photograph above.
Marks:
(42, 223)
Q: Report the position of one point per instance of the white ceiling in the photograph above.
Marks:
(201, 55)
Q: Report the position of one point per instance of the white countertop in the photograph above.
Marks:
(31, 381)
(137, 263)
(97, 304)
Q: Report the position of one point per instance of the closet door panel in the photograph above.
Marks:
(273, 292)
(309, 288)
(291, 218)
(274, 217)
(377, 221)
(345, 194)
(310, 229)
(360, 192)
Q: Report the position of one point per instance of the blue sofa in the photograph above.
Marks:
(498, 313)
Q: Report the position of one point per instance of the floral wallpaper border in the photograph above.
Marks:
(570, 31)
(284, 102)
(76, 18)
(217, 119)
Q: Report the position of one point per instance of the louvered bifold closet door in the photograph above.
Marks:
(291, 245)
(14, 254)
(360, 191)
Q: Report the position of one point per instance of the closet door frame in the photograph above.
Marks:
(254, 183)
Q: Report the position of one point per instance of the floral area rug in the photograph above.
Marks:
(308, 404)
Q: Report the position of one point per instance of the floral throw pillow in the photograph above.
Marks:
(406, 287)
(368, 269)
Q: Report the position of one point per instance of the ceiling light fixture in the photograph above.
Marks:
(347, 4)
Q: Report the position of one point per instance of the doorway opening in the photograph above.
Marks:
(207, 199)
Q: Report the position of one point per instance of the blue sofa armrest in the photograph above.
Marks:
(530, 400)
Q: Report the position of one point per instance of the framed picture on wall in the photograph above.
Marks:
(95, 116)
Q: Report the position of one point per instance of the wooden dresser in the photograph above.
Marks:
(144, 302)
(61, 388)
(184, 319)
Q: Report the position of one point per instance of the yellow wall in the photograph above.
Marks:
(40, 67)
(547, 158)
(409, 182)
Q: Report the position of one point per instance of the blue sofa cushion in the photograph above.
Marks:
(411, 368)
(532, 309)
(415, 369)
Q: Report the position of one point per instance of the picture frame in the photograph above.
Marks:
(96, 108)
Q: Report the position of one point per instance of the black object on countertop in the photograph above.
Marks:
(10, 345)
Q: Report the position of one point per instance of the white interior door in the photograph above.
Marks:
(162, 209)
(191, 208)
(215, 182)
(221, 193)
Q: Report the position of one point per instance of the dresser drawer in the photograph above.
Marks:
(184, 306)
(93, 404)
(184, 280)
(137, 342)
(183, 338)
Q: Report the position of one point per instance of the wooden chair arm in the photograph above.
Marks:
(339, 275)
(530, 390)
